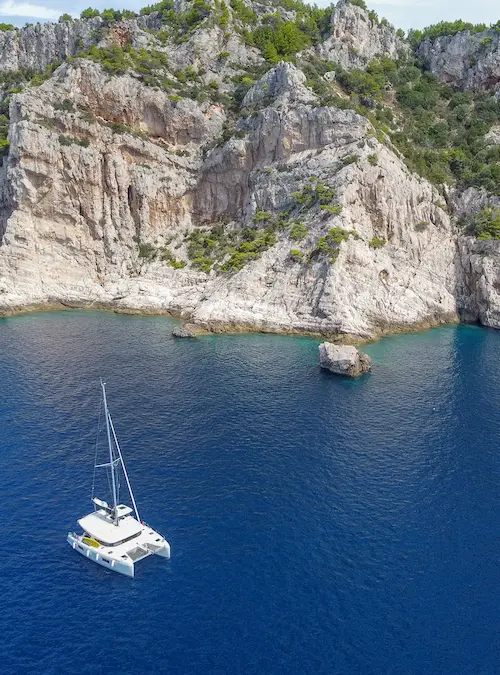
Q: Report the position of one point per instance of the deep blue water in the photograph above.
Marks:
(317, 525)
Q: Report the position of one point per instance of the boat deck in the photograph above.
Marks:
(138, 553)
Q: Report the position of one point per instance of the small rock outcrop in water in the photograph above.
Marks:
(343, 359)
(182, 332)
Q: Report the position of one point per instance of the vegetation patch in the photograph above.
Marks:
(421, 226)
(147, 251)
(4, 130)
(296, 255)
(298, 232)
(248, 250)
(179, 24)
(329, 245)
(314, 193)
(439, 130)
(65, 105)
(486, 224)
(377, 242)
(228, 249)
(71, 140)
(280, 39)
(166, 255)
(444, 28)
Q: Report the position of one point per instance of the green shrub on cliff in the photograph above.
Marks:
(89, 13)
(248, 250)
(359, 3)
(147, 251)
(4, 130)
(281, 39)
(164, 6)
(329, 244)
(229, 250)
(298, 232)
(312, 194)
(71, 140)
(442, 29)
(377, 242)
(486, 224)
(243, 12)
(277, 39)
(439, 130)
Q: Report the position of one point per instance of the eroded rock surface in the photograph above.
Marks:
(358, 37)
(109, 180)
(183, 332)
(343, 360)
(465, 60)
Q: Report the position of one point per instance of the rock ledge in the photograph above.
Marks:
(182, 332)
(343, 359)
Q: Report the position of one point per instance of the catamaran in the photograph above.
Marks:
(114, 536)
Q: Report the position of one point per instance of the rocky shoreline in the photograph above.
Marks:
(229, 328)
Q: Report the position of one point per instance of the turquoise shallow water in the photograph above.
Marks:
(317, 525)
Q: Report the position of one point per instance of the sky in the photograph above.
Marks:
(402, 13)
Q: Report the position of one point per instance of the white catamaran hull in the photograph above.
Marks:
(121, 558)
(121, 566)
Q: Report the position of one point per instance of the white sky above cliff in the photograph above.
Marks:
(402, 13)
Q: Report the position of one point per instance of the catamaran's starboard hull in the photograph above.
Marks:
(165, 551)
(121, 566)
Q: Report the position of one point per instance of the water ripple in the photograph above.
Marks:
(317, 525)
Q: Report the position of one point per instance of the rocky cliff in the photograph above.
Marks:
(465, 60)
(180, 170)
(357, 36)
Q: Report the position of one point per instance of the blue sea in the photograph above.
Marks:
(317, 525)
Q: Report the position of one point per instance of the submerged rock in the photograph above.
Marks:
(343, 359)
(182, 332)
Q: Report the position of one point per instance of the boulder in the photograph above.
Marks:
(182, 332)
(343, 359)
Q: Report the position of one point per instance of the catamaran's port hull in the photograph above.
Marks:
(149, 543)
(121, 566)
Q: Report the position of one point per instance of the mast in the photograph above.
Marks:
(110, 444)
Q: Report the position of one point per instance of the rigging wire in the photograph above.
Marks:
(96, 448)
(109, 469)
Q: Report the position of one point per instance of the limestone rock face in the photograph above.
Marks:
(479, 296)
(40, 45)
(343, 360)
(108, 182)
(465, 60)
(284, 84)
(358, 37)
(82, 196)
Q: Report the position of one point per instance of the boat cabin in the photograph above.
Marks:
(109, 531)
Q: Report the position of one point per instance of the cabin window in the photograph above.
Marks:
(119, 543)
